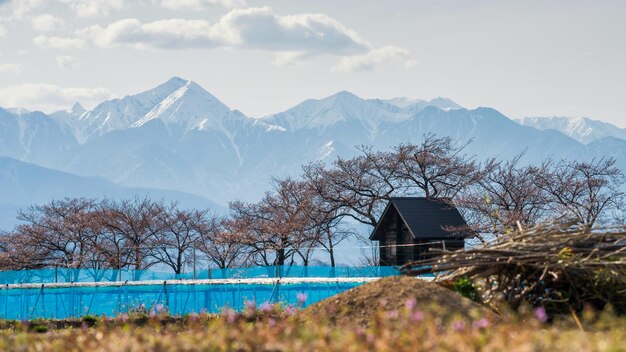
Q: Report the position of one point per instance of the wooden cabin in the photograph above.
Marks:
(410, 226)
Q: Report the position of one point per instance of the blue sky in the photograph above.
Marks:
(530, 58)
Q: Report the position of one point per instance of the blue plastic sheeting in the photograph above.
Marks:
(177, 299)
(52, 275)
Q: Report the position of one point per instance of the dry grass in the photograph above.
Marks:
(270, 329)
(361, 304)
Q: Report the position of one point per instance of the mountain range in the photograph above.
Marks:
(177, 141)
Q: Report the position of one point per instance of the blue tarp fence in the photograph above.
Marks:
(57, 293)
(59, 275)
(174, 298)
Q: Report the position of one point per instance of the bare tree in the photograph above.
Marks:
(357, 188)
(585, 191)
(505, 196)
(64, 229)
(221, 244)
(436, 168)
(130, 225)
(326, 224)
(176, 235)
(18, 251)
(276, 227)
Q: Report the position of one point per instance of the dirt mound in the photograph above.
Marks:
(361, 304)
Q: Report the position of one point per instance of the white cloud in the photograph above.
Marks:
(49, 97)
(67, 62)
(253, 28)
(199, 4)
(376, 57)
(47, 23)
(20, 8)
(3, 32)
(10, 68)
(293, 38)
(58, 42)
(261, 28)
(93, 8)
(164, 34)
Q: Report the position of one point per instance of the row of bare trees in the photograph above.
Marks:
(494, 196)
(87, 233)
(316, 211)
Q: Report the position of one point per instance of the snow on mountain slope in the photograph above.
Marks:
(33, 136)
(582, 129)
(179, 136)
(119, 114)
(191, 106)
(18, 111)
(414, 106)
(63, 116)
(488, 132)
(337, 109)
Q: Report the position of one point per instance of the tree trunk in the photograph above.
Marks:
(280, 257)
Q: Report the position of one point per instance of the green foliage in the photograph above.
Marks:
(39, 328)
(465, 287)
(90, 320)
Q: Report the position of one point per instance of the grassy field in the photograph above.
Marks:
(270, 328)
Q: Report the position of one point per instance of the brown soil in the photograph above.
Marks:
(361, 304)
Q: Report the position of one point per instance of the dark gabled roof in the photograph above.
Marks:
(425, 217)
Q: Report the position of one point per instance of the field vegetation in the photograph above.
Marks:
(271, 328)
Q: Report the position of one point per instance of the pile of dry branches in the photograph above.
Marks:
(557, 266)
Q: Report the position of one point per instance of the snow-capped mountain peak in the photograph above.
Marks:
(177, 101)
(190, 106)
(416, 105)
(582, 129)
(336, 109)
(403, 102)
(77, 109)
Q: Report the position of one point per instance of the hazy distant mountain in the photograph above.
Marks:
(178, 136)
(22, 184)
(582, 129)
(416, 105)
(35, 137)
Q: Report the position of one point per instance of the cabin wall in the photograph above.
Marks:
(398, 247)
(393, 242)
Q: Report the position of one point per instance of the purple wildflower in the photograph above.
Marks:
(267, 307)
(458, 325)
(271, 322)
(541, 315)
(250, 306)
(302, 297)
(417, 317)
(230, 315)
(152, 313)
(392, 314)
(480, 324)
(290, 310)
(410, 304)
